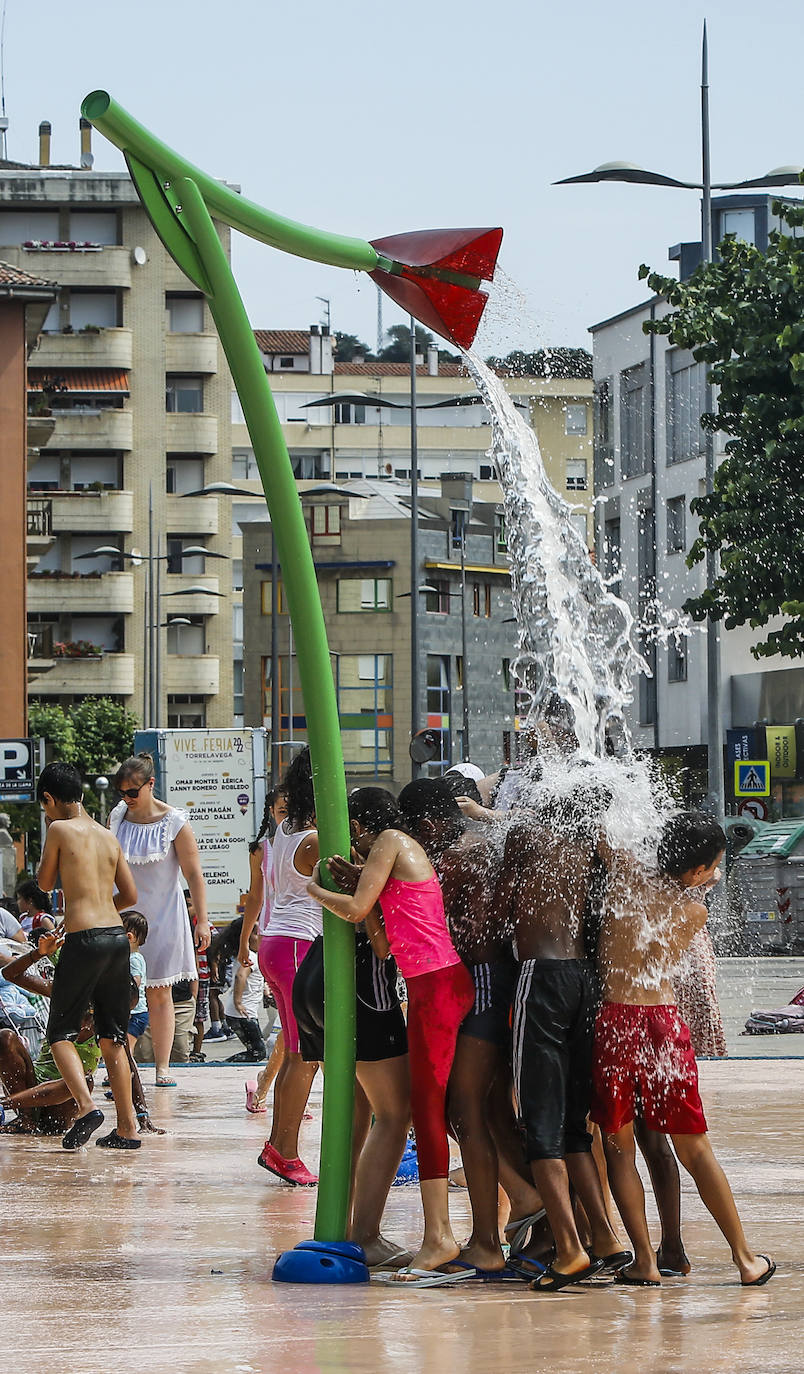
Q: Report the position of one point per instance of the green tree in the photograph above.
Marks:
(95, 735)
(743, 316)
(348, 346)
(568, 363)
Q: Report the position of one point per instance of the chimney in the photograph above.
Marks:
(44, 143)
(432, 360)
(86, 143)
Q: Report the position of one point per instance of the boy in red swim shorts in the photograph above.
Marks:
(644, 1063)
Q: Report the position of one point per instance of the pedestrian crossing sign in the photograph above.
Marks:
(752, 778)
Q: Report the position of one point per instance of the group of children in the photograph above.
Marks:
(541, 1023)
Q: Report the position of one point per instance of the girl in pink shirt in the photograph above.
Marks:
(412, 926)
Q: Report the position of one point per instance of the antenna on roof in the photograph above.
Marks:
(3, 118)
(380, 331)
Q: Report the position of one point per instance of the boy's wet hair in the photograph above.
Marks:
(428, 799)
(62, 781)
(374, 808)
(460, 786)
(689, 840)
(136, 923)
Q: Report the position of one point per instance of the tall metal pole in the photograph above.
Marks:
(414, 548)
(150, 722)
(466, 754)
(158, 634)
(714, 738)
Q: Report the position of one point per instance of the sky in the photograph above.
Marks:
(374, 119)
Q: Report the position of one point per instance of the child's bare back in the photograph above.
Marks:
(89, 862)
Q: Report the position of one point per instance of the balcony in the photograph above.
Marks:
(191, 433)
(196, 513)
(195, 675)
(108, 348)
(40, 430)
(191, 352)
(193, 602)
(111, 594)
(107, 266)
(39, 531)
(107, 675)
(106, 429)
(89, 511)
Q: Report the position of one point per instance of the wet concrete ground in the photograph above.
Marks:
(161, 1260)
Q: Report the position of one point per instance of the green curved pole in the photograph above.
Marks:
(300, 239)
(178, 198)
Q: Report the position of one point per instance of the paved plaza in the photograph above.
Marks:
(162, 1260)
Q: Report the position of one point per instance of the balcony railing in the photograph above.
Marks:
(39, 519)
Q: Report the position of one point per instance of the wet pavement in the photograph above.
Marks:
(161, 1260)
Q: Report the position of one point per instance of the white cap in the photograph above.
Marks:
(467, 770)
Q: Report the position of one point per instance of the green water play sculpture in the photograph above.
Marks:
(434, 275)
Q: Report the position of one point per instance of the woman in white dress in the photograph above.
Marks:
(160, 846)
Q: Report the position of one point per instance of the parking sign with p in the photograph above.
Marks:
(16, 770)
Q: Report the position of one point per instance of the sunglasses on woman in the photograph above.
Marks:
(132, 792)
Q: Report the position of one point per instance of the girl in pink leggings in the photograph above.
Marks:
(295, 922)
(398, 875)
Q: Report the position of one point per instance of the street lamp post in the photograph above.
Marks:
(779, 176)
(414, 549)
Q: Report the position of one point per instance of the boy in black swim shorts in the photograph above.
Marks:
(94, 962)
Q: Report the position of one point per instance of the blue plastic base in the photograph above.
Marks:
(322, 1261)
(408, 1171)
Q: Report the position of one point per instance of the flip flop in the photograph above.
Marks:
(633, 1281)
(614, 1262)
(552, 1280)
(504, 1275)
(426, 1278)
(672, 1273)
(82, 1129)
(763, 1278)
(113, 1141)
(517, 1231)
(526, 1266)
(399, 1260)
(164, 1082)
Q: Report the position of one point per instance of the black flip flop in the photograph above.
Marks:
(763, 1278)
(113, 1141)
(82, 1129)
(633, 1280)
(552, 1280)
(614, 1262)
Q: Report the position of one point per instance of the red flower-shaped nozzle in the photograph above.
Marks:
(435, 275)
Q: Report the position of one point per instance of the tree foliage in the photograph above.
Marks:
(398, 350)
(569, 363)
(96, 735)
(349, 346)
(743, 317)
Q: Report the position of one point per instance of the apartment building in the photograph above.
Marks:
(649, 465)
(359, 532)
(131, 374)
(348, 420)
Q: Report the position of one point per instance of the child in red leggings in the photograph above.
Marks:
(398, 875)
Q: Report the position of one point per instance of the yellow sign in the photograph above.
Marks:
(781, 745)
(752, 778)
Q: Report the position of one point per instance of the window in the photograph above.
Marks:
(458, 520)
(579, 524)
(325, 524)
(603, 446)
(22, 226)
(364, 594)
(487, 600)
(93, 226)
(677, 660)
(184, 395)
(634, 421)
(244, 464)
(612, 570)
(176, 560)
(575, 419)
(238, 688)
(185, 314)
(186, 712)
(500, 532)
(237, 574)
(186, 639)
(87, 470)
(183, 473)
(437, 601)
(265, 598)
(741, 223)
(576, 474)
(286, 362)
(346, 414)
(506, 674)
(475, 598)
(98, 309)
(685, 402)
(676, 524)
(459, 671)
(437, 685)
(486, 472)
(237, 623)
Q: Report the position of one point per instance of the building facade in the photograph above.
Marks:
(130, 371)
(649, 465)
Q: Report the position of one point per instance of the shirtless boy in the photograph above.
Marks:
(643, 1059)
(94, 961)
(546, 873)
